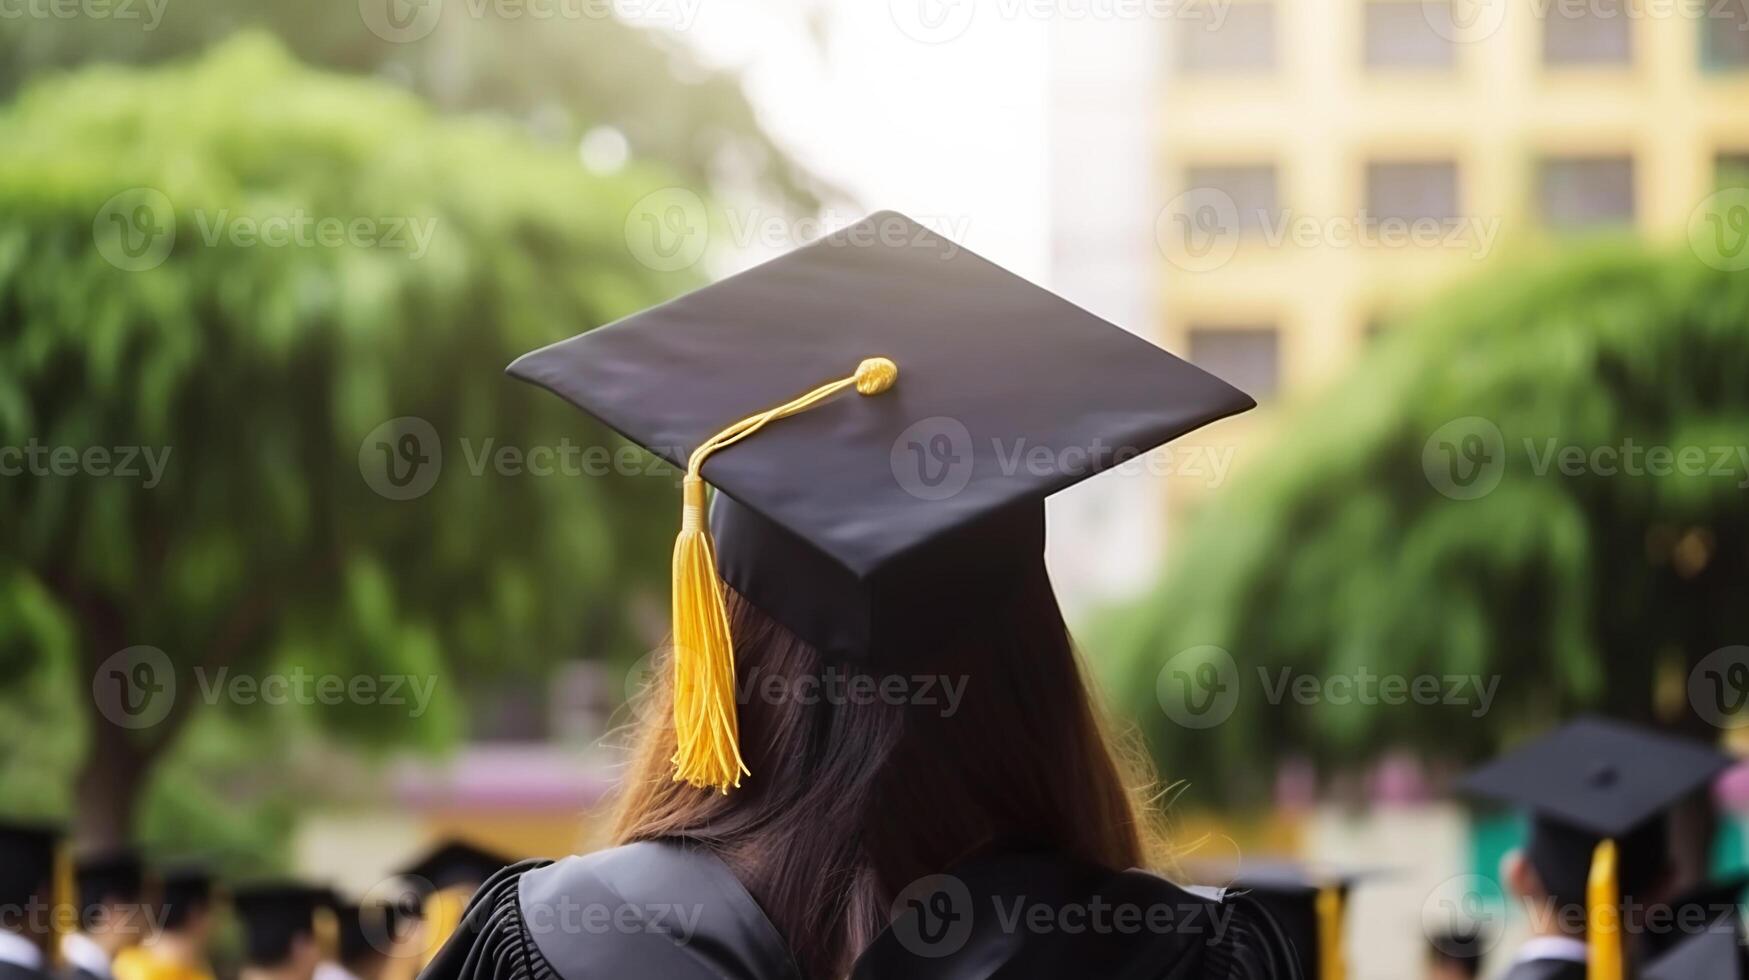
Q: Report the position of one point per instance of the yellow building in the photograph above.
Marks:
(1328, 162)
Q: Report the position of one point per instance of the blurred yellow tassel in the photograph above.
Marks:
(707, 731)
(1331, 963)
(1603, 915)
(64, 896)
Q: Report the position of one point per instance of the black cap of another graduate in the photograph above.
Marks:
(27, 863)
(115, 875)
(883, 414)
(1593, 780)
(1310, 905)
(274, 915)
(454, 863)
(366, 930)
(184, 889)
(1716, 954)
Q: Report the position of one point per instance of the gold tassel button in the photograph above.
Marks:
(706, 727)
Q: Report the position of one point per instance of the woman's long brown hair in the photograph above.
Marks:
(854, 796)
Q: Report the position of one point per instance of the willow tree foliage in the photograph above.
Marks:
(253, 319)
(1541, 482)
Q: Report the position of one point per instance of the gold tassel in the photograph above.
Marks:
(64, 916)
(1331, 965)
(707, 731)
(1603, 915)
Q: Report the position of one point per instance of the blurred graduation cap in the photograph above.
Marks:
(1310, 905)
(1598, 792)
(453, 863)
(274, 914)
(185, 887)
(1716, 954)
(112, 875)
(367, 929)
(865, 524)
(28, 854)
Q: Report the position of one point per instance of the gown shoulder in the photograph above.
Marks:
(1016, 917)
(654, 908)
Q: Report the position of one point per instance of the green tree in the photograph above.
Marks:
(247, 269)
(554, 67)
(1413, 521)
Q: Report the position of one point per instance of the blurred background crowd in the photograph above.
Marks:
(292, 579)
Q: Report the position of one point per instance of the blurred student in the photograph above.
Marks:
(918, 744)
(280, 936)
(1599, 793)
(27, 874)
(110, 886)
(177, 948)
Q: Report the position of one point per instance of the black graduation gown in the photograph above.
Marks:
(80, 973)
(674, 911)
(1545, 970)
(12, 971)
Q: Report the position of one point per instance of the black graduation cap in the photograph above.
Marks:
(274, 914)
(1596, 779)
(454, 863)
(367, 929)
(183, 888)
(112, 875)
(1716, 954)
(865, 524)
(1598, 791)
(27, 862)
(1310, 905)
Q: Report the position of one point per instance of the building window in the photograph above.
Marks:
(1725, 37)
(1412, 191)
(1401, 34)
(1596, 33)
(1248, 358)
(1251, 186)
(1731, 170)
(1577, 193)
(1241, 42)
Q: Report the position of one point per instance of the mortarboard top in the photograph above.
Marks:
(866, 524)
(1716, 954)
(27, 861)
(453, 863)
(110, 874)
(1602, 777)
(273, 913)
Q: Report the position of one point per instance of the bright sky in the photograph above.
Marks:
(931, 107)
